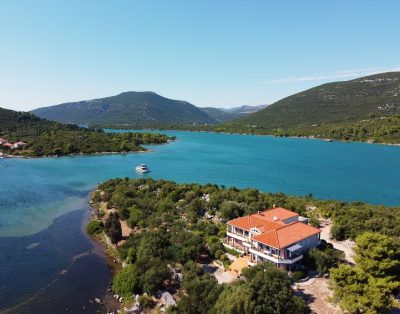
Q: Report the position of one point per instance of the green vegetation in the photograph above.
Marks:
(95, 227)
(349, 110)
(112, 227)
(374, 130)
(126, 282)
(369, 286)
(348, 101)
(219, 115)
(264, 289)
(141, 109)
(323, 258)
(171, 231)
(201, 293)
(136, 108)
(356, 218)
(47, 138)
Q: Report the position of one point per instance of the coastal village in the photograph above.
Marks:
(6, 145)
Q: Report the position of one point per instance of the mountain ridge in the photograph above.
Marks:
(127, 107)
(375, 95)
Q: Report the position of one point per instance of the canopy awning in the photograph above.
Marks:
(294, 248)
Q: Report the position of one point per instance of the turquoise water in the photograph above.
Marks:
(33, 192)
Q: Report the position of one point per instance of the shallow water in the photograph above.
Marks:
(38, 264)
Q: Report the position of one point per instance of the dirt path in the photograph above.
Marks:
(317, 293)
(345, 246)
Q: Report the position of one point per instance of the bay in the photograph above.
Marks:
(44, 201)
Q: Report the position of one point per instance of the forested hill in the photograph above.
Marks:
(134, 108)
(349, 101)
(44, 138)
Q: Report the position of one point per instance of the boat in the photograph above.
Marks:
(142, 168)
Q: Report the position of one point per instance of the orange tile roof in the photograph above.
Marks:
(255, 220)
(274, 215)
(278, 213)
(287, 235)
(274, 232)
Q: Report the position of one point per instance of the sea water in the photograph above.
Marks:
(48, 264)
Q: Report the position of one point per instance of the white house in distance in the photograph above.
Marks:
(277, 235)
(18, 145)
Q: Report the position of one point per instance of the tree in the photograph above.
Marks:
(378, 255)
(357, 292)
(126, 282)
(230, 210)
(153, 278)
(271, 291)
(368, 287)
(235, 299)
(201, 293)
(95, 227)
(112, 227)
(324, 257)
(152, 245)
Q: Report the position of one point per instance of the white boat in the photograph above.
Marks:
(142, 168)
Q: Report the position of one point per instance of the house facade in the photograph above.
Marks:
(276, 235)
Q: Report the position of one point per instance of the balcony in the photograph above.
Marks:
(237, 236)
(276, 258)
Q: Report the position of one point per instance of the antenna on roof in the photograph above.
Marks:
(275, 218)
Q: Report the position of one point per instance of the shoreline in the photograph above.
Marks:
(308, 137)
(146, 150)
(100, 241)
(142, 150)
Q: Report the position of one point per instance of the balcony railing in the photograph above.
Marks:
(275, 258)
(267, 252)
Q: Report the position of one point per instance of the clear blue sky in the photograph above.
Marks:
(211, 53)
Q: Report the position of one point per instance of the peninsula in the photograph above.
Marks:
(23, 134)
(185, 247)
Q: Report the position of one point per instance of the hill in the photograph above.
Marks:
(349, 101)
(220, 115)
(41, 137)
(244, 110)
(133, 108)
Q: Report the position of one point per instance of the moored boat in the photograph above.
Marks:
(142, 168)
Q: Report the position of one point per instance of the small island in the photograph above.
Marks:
(25, 135)
(172, 244)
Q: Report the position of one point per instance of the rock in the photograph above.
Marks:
(97, 300)
(134, 309)
(167, 299)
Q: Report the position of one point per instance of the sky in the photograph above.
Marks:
(221, 53)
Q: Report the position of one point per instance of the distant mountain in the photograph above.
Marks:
(349, 101)
(220, 115)
(228, 114)
(243, 110)
(134, 108)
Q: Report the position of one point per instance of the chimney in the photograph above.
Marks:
(273, 206)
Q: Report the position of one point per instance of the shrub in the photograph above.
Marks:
(146, 301)
(95, 227)
(126, 282)
(298, 275)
